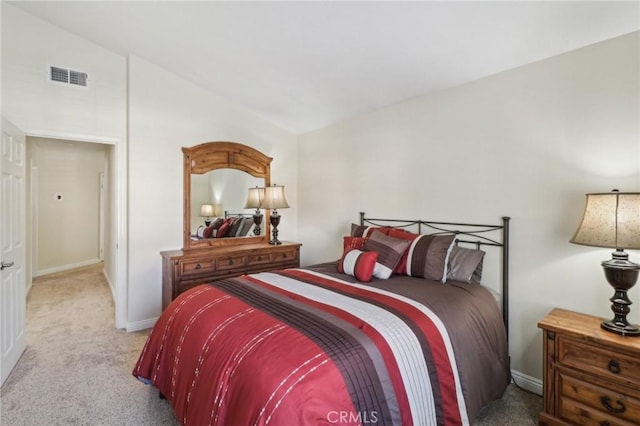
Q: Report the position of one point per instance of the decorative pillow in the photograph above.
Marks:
(236, 222)
(358, 263)
(246, 226)
(208, 231)
(217, 223)
(465, 265)
(224, 229)
(389, 251)
(401, 267)
(353, 243)
(427, 256)
(200, 232)
(366, 231)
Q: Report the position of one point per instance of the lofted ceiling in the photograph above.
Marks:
(306, 65)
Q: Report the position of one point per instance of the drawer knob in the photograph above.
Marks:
(198, 266)
(605, 423)
(614, 366)
(230, 261)
(606, 402)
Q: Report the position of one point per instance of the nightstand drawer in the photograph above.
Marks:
(595, 402)
(604, 363)
(197, 267)
(580, 414)
(230, 262)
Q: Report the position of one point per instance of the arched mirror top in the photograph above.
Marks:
(206, 158)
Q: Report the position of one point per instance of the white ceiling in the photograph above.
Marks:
(305, 65)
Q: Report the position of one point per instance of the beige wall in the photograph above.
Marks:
(67, 228)
(165, 114)
(527, 143)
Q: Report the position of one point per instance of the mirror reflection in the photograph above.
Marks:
(218, 195)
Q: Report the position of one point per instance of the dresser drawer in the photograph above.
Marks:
(284, 256)
(581, 401)
(604, 363)
(231, 262)
(258, 259)
(197, 267)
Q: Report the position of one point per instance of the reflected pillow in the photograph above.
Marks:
(236, 222)
(224, 229)
(208, 232)
(465, 265)
(358, 263)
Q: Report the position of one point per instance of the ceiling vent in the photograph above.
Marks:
(63, 75)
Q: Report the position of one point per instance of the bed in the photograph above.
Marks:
(340, 342)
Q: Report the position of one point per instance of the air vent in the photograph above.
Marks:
(63, 75)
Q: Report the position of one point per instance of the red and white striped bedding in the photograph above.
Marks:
(303, 346)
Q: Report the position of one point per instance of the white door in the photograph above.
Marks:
(13, 303)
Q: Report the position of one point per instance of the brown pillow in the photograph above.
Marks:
(427, 256)
(465, 265)
(389, 251)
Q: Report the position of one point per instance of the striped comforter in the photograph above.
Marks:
(308, 347)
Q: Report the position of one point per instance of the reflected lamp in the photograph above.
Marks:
(206, 211)
(255, 197)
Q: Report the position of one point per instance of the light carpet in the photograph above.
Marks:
(77, 366)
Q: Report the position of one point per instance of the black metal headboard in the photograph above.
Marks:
(467, 233)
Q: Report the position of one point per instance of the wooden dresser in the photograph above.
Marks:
(183, 269)
(591, 376)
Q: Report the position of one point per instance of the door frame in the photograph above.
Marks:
(118, 226)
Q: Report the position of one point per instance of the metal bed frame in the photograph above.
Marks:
(472, 233)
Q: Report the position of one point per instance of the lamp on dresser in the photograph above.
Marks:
(254, 201)
(274, 199)
(612, 220)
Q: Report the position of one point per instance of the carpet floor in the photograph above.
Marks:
(77, 367)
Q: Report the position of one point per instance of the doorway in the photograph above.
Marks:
(68, 184)
(108, 189)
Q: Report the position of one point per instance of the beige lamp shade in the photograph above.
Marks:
(206, 210)
(610, 220)
(254, 198)
(274, 198)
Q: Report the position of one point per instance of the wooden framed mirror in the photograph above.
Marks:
(220, 174)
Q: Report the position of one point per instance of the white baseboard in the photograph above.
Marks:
(111, 287)
(66, 267)
(527, 383)
(141, 325)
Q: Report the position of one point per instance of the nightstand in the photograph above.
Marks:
(591, 376)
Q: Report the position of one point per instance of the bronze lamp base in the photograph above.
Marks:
(621, 275)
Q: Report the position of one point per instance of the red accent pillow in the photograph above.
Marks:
(353, 243)
(224, 228)
(358, 263)
(208, 231)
